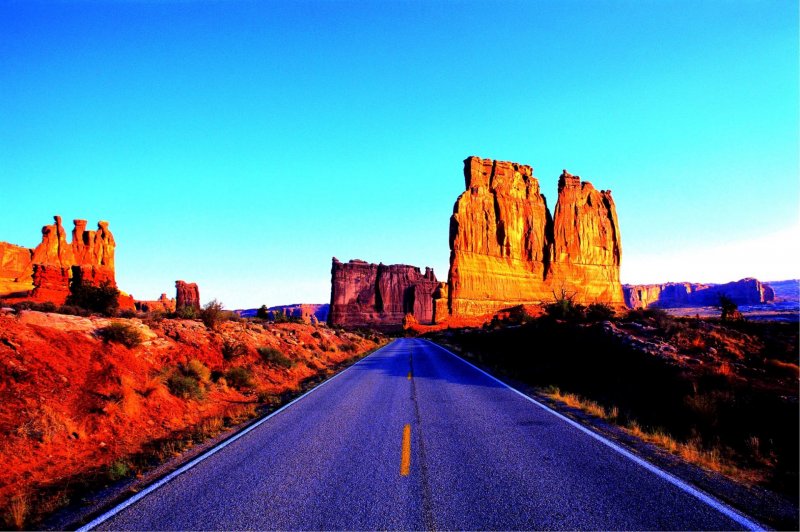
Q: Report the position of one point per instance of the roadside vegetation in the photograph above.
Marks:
(722, 394)
(94, 404)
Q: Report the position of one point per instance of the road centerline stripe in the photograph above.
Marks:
(405, 453)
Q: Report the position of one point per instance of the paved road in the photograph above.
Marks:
(414, 438)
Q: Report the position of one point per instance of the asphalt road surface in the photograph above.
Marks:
(412, 437)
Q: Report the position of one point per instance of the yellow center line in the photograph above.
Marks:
(405, 454)
(409, 375)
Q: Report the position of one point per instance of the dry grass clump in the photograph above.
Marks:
(121, 333)
(692, 450)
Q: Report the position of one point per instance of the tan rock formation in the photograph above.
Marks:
(91, 252)
(506, 250)
(162, 304)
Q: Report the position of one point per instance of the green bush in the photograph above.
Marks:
(262, 313)
(187, 312)
(233, 349)
(118, 470)
(121, 333)
(184, 386)
(270, 355)
(103, 299)
(239, 377)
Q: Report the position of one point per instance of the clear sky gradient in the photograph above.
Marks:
(241, 145)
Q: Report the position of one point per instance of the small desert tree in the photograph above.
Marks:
(213, 314)
(729, 309)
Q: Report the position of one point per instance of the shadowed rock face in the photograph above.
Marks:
(506, 249)
(379, 295)
(747, 291)
(187, 295)
(49, 267)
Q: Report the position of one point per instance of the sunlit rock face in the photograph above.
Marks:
(187, 295)
(507, 250)
(45, 272)
(746, 291)
(162, 304)
(379, 295)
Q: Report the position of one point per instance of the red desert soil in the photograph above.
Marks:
(72, 404)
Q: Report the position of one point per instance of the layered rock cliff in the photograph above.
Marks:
(364, 294)
(747, 291)
(506, 249)
(45, 272)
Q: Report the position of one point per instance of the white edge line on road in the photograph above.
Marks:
(152, 487)
(675, 481)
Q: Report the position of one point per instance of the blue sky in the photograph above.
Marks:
(241, 145)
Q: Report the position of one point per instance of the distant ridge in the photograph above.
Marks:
(319, 310)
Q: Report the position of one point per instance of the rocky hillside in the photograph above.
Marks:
(81, 398)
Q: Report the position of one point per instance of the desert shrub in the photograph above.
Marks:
(126, 313)
(184, 386)
(103, 299)
(270, 355)
(233, 349)
(46, 306)
(279, 316)
(564, 307)
(348, 347)
(73, 310)
(729, 309)
(197, 370)
(121, 333)
(599, 312)
(187, 312)
(262, 313)
(239, 377)
(118, 470)
(213, 314)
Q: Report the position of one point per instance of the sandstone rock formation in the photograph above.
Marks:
(45, 272)
(162, 304)
(746, 291)
(507, 250)
(186, 295)
(379, 295)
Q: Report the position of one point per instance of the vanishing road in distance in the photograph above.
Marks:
(413, 437)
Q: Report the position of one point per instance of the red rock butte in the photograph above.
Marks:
(506, 249)
(379, 295)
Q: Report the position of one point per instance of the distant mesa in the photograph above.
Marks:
(379, 295)
(187, 295)
(507, 250)
(747, 291)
